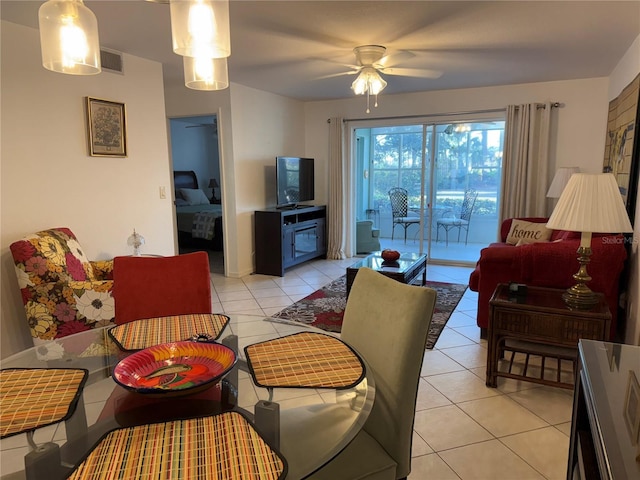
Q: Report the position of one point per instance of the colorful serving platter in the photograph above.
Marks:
(178, 368)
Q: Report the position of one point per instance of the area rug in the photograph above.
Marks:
(324, 308)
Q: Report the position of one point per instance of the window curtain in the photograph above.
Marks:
(525, 162)
(335, 208)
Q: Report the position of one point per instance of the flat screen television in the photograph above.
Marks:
(295, 181)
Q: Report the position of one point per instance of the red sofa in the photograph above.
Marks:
(548, 264)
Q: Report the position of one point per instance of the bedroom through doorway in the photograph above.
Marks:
(198, 205)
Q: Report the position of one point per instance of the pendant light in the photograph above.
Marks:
(205, 73)
(69, 38)
(200, 28)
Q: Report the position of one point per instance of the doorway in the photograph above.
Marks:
(451, 173)
(195, 148)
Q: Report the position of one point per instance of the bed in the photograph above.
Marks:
(199, 222)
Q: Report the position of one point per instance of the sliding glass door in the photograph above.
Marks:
(451, 173)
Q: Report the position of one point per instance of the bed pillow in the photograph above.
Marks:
(181, 202)
(194, 196)
(523, 232)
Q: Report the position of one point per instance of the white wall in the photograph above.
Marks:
(580, 123)
(263, 126)
(48, 178)
(626, 70)
(578, 138)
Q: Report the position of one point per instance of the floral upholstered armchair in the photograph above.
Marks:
(62, 291)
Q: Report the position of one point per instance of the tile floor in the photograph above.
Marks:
(463, 430)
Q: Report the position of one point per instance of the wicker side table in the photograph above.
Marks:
(540, 324)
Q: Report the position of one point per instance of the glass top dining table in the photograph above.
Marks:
(312, 426)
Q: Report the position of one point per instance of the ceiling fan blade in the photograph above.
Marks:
(337, 62)
(334, 75)
(396, 58)
(412, 72)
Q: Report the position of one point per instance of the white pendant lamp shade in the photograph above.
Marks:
(69, 38)
(205, 73)
(200, 28)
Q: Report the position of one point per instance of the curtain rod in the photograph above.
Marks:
(428, 115)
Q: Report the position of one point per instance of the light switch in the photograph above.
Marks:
(163, 192)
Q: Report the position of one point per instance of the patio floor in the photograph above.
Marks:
(456, 253)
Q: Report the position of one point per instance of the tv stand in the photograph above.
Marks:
(287, 237)
(293, 207)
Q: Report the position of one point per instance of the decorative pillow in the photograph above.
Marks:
(194, 196)
(523, 241)
(523, 232)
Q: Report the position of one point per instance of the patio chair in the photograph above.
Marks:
(449, 220)
(400, 211)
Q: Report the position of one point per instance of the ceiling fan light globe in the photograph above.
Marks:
(376, 84)
(359, 85)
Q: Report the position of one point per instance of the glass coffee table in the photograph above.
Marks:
(405, 270)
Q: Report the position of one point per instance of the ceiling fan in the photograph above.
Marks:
(213, 125)
(371, 61)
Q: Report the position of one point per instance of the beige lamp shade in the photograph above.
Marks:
(560, 181)
(69, 38)
(591, 203)
(206, 73)
(200, 28)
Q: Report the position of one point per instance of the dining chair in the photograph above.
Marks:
(449, 220)
(387, 323)
(400, 211)
(161, 286)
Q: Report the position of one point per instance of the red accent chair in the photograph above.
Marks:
(161, 286)
(548, 264)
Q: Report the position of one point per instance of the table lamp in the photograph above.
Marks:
(560, 181)
(135, 240)
(590, 203)
(213, 184)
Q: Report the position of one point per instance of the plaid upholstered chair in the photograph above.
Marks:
(63, 292)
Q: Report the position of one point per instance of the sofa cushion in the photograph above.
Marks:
(523, 232)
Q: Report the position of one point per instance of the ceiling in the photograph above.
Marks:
(291, 47)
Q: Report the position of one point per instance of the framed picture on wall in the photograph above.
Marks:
(106, 124)
(622, 147)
